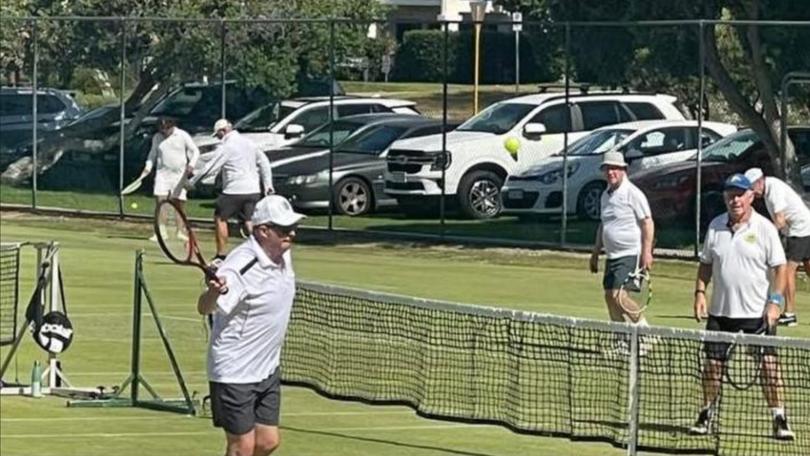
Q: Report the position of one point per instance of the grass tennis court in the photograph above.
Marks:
(97, 258)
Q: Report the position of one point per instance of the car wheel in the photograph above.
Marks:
(590, 200)
(479, 194)
(353, 197)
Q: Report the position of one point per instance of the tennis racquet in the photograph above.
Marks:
(743, 363)
(177, 239)
(134, 185)
(636, 292)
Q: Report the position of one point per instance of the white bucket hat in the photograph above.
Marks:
(613, 159)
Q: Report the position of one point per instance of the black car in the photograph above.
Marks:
(358, 162)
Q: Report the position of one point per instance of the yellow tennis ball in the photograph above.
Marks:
(512, 146)
(134, 205)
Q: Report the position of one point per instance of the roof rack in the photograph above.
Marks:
(583, 87)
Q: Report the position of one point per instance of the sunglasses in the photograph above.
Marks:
(281, 230)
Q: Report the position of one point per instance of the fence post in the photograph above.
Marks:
(633, 393)
(564, 220)
(35, 84)
(122, 116)
(701, 97)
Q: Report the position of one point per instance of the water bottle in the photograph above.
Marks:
(36, 380)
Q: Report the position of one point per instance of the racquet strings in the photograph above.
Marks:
(174, 232)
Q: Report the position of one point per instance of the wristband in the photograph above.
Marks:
(697, 292)
(776, 299)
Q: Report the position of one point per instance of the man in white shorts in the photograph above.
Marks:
(792, 218)
(250, 301)
(741, 253)
(626, 233)
(173, 155)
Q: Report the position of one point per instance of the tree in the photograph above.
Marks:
(746, 62)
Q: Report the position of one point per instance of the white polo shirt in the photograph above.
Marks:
(170, 155)
(251, 319)
(242, 165)
(741, 263)
(780, 197)
(622, 211)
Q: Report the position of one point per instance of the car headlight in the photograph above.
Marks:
(441, 161)
(556, 174)
(302, 179)
(670, 182)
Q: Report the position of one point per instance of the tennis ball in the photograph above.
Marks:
(512, 145)
(134, 205)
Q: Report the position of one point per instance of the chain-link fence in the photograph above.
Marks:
(352, 114)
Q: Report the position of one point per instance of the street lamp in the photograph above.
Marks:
(478, 9)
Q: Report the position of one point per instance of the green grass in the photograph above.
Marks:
(97, 257)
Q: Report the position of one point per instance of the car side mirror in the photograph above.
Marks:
(533, 130)
(293, 131)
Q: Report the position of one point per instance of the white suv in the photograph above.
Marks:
(279, 124)
(476, 162)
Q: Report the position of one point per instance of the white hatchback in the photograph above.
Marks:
(538, 189)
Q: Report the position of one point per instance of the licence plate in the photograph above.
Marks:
(515, 194)
(398, 176)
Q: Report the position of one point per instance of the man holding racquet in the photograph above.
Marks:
(174, 155)
(246, 176)
(626, 233)
(249, 326)
(741, 251)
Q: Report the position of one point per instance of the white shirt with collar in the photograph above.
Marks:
(622, 210)
(170, 155)
(242, 165)
(251, 319)
(741, 265)
(780, 197)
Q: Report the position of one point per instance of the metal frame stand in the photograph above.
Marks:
(185, 405)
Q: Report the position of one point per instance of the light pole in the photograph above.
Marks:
(478, 9)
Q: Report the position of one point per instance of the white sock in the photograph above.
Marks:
(778, 411)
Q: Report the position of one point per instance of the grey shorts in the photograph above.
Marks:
(797, 249)
(237, 408)
(617, 270)
(240, 206)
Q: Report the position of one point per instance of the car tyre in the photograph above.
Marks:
(479, 194)
(590, 200)
(353, 197)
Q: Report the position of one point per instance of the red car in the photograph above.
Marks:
(671, 189)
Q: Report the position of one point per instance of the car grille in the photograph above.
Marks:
(408, 161)
(525, 202)
(554, 200)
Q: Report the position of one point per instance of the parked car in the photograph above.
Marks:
(278, 124)
(671, 189)
(358, 166)
(476, 162)
(55, 109)
(645, 144)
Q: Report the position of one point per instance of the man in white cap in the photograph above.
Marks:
(250, 301)
(246, 177)
(792, 218)
(173, 155)
(626, 232)
(744, 259)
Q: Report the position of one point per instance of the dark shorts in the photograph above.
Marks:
(240, 206)
(797, 249)
(237, 408)
(718, 350)
(616, 270)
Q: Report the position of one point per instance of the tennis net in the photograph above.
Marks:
(9, 291)
(583, 379)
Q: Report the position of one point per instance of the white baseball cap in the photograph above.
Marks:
(221, 124)
(754, 174)
(613, 159)
(275, 209)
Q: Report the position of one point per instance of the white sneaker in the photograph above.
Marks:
(181, 235)
(153, 238)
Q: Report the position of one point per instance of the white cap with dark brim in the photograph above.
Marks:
(276, 210)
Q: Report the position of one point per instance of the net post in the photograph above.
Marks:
(633, 392)
(137, 290)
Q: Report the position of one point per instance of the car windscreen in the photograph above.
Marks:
(729, 148)
(598, 142)
(319, 137)
(263, 118)
(372, 141)
(498, 118)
